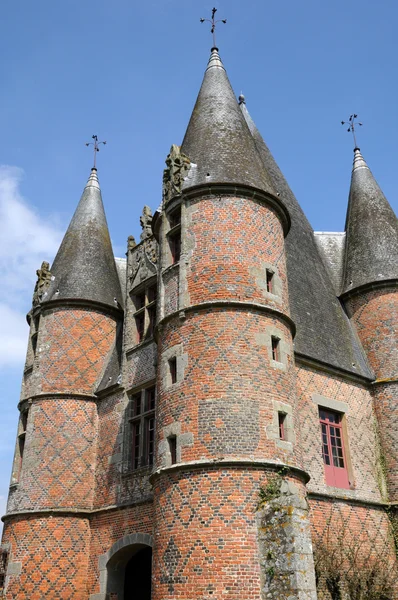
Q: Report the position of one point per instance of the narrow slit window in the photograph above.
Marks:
(270, 281)
(3, 569)
(282, 425)
(173, 448)
(173, 369)
(275, 345)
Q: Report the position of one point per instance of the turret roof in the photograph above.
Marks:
(371, 231)
(84, 267)
(218, 141)
(324, 332)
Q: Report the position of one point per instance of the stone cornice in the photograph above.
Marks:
(368, 287)
(229, 189)
(66, 303)
(224, 463)
(342, 498)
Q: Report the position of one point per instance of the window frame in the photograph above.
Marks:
(145, 303)
(174, 235)
(142, 455)
(333, 431)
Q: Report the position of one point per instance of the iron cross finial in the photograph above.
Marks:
(96, 144)
(213, 24)
(351, 127)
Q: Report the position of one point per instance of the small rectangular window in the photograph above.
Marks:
(333, 452)
(275, 342)
(173, 369)
(270, 282)
(282, 425)
(173, 448)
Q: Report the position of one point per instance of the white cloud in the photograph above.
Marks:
(26, 239)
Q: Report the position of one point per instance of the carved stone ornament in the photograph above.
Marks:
(146, 223)
(143, 261)
(177, 167)
(131, 243)
(42, 283)
(144, 256)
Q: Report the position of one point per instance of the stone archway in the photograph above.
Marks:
(130, 557)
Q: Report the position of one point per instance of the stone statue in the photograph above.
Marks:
(42, 283)
(177, 167)
(146, 223)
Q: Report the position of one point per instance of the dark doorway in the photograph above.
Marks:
(137, 576)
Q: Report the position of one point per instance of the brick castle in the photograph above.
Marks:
(211, 416)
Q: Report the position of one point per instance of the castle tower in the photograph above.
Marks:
(370, 296)
(226, 408)
(76, 309)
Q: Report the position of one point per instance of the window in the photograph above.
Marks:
(173, 448)
(282, 425)
(3, 569)
(142, 422)
(174, 235)
(145, 312)
(333, 452)
(35, 334)
(173, 369)
(19, 452)
(270, 282)
(275, 348)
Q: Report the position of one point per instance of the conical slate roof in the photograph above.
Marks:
(324, 332)
(371, 231)
(84, 267)
(218, 141)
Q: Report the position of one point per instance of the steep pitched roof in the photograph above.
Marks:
(84, 267)
(218, 141)
(324, 332)
(371, 231)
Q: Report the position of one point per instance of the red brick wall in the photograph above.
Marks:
(346, 528)
(73, 347)
(361, 429)
(375, 316)
(206, 534)
(108, 527)
(59, 457)
(53, 552)
(228, 241)
(225, 396)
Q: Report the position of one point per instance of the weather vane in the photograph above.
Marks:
(213, 24)
(96, 144)
(351, 123)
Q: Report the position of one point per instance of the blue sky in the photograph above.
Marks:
(130, 72)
